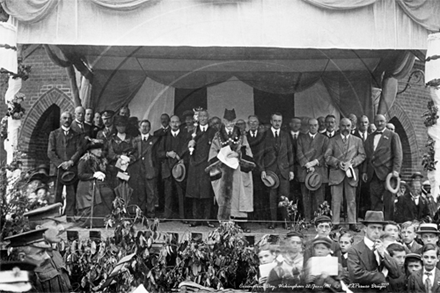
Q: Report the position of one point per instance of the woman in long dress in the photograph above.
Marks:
(93, 188)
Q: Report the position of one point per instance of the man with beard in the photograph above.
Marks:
(64, 151)
(384, 156)
(230, 175)
(343, 156)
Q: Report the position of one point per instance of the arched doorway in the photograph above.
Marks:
(407, 163)
(50, 120)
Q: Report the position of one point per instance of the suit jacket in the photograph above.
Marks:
(63, 148)
(362, 265)
(415, 282)
(86, 130)
(358, 134)
(415, 247)
(352, 152)
(309, 150)
(257, 144)
(386, 158)
(162, 132)
(105, 134)
(146, 154)
(178, 144)
(334, 134)
(407, 210)
(277, 155)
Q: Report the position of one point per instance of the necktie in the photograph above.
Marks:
(66, 133)
(80, 125)
(428, 282)
(295, 135)
(276, 133)
(377, 133)
(174, 134)
(145, 138)
(253, 133)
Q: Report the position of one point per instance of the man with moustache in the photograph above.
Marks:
(88, 120)
(199, 188)
(344, 155)
(278, 158)
(310, 154)
(109, 129)
(255, 139)
(64, 151)
(173, 147)
(384, 155)
(78, 124)
(354, 122)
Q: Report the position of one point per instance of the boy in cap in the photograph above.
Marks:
(323, 226)
(51, 273)
(413, 263)
(427, 279)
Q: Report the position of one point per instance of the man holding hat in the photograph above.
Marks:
(172, 148)
(343, 156)
(384, 156)
(64, 151)
(310, 154)
(367, 257)
(232, 177)
(277, 158)
(51, 271)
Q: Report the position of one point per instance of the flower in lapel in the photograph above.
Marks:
(385, 137)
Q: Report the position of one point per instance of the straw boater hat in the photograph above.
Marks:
(417, 175)
(393, 188)
(271, 180)
(374, 217)
(428, 228)
(313, 181)
(179, 171)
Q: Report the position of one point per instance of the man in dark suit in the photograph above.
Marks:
(199, 188)
(278, 158)
(295, 185)
(172, 148)
(330, 131)
(64, 151)
(344, 154)
(367, 258)
(310, 154)
(88, 120)
(82, 129)
(354, 122)
(145, 146)
(362, 192)
(165, 125)
(256, 139)
(428, 279)
(384, 156)
(412, 205)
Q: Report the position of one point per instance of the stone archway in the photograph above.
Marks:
(410, 148)
(42, 118)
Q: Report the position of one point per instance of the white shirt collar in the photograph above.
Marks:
(145, 136)
(312, 135)
(274, 130)
(331, 132)
(203, 127)
(294, 133)
(79, 122)
(369, 243)
(348, 135)
(65, 128)
(175, 132)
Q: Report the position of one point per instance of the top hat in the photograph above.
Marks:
(41, 173)
(121, 121)
(229, 115)
(179, 171)
(271, 180)
(374, 217)
(324, 240)
(27, 238)
(107, 114)
(321, 219)
(37, 216)
(416, 175)
(313, 181)
(68, 178)
(428, 228)
(389, 185)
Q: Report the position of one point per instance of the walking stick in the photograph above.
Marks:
(93, 203)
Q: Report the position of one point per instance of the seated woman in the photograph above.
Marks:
(93, 189)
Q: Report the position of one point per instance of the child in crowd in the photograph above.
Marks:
(289, 262)
(397, 252)
(413, 263)
(408, 235)
(267, 254)
(428, 278)
(387, 239)
(345, 242)
(322, 248)
(392, 229)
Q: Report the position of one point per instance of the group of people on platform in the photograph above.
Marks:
(246, 167)
(389, 257)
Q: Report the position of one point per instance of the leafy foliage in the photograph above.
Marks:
(294, 220)
(430, 115)
(428, 161)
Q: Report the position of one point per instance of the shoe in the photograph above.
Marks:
(335, 227)
(353, 228)
(194, 224)
(209, 224)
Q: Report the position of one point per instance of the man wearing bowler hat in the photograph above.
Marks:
(64, 151)
(343, 156)
(172, 148)
(310, 154)
(51, 273)
(368, 257)
(384, 156)
(277, 157)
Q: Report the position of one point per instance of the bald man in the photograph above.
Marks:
(384, 155)
(64, 151)
(345, 152)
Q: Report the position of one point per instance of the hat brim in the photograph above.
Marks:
(181, 177)
(374, 222)
(388, 183)
(308, 186)
(275, 178)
